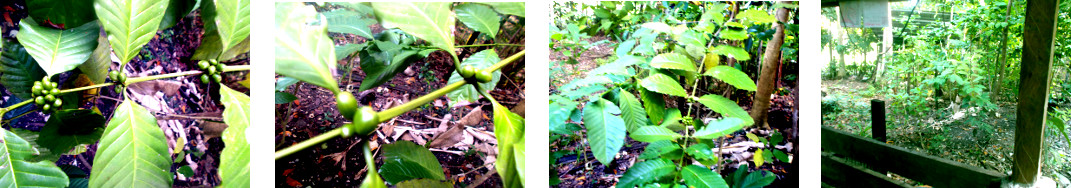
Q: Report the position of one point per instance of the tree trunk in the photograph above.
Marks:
(772, 56)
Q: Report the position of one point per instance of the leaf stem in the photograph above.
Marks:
(307, 143)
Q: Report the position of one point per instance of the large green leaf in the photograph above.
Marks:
(56, 50)
(731, 51)
(234, 159)
(481, 60)
(132, 152)
(344, 51)
(66, 129)
(725, 107)
(345, 21)
(232, 21)
(303, 51)
(96, 68)
(512, 8)
(18, 71)
(673, 61)
(560, 110)
(15, 171)
(700, 151)
(653, 134)
(211, 48)
(478, 17)
(509, 131)
(519, 154)
(654, 104)
(606, 129)
(756, 16)
(405, 160)
(646, 171)
(757, 179)
(424, 183)
(720, 127)
(130, 24)
(631, 111)
(386, 57)
(176, 10)
(699, 176)
(431, 21)
(68, 13)
(692, 38)
(661, 83)
(732, 76)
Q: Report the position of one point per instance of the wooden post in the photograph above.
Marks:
(1038, 33)
(877, 116)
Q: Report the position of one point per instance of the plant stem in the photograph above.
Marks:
(155, 77)
(305, 144)
(399, 110)
(506, 61)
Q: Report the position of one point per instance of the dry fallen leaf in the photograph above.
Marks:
(446, 139)
(472, 118)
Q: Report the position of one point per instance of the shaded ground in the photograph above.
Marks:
(577, 167)
(967, 135)
(185, 109)
(339, 162)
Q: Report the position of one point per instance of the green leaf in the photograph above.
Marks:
(344, 21)
(672, 120)
(654, 104)
(733, 34)
(725, 107)
(96, 68)
(559, 114)
(478, 17)
(519, 154)
(731, 51)
(481, 60)
(699, 176)
(511, 8)
(344, 51)
(753, 137)
(186, 171)
(756, 16)
(732, 76)
(631, 111)
(646, 171)
(780, 155)
(211, 48)
(232, 21)
(618, 67)
(424, 183)
(657, 27)
(719, 128)
(303, 51)
(700, 151)
(405, 160)
(130, 24)
(606, 129)
(234, 159)
(508, 127)
(132, 151)
(17, 172)
(661, 148)
(431, 21)
(282, 83)
(58, 51)
(693, 38)
(284, 97)
(176, 10)
(653, 134)
(66, 129)
(384, 59)
(624, 48)
(661, 83)
(18, 71)
(673, 61)
(757, 179)
(68, 13)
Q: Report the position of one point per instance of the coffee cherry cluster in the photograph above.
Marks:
(117, 77)
(213, 71)
(44, 95)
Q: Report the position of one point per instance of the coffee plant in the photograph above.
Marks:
(666, 59)
(305, 53)
(133, 151)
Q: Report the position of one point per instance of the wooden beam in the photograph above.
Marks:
(1038, 32)
(877, 120)
(934, 171)
(839, 172)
